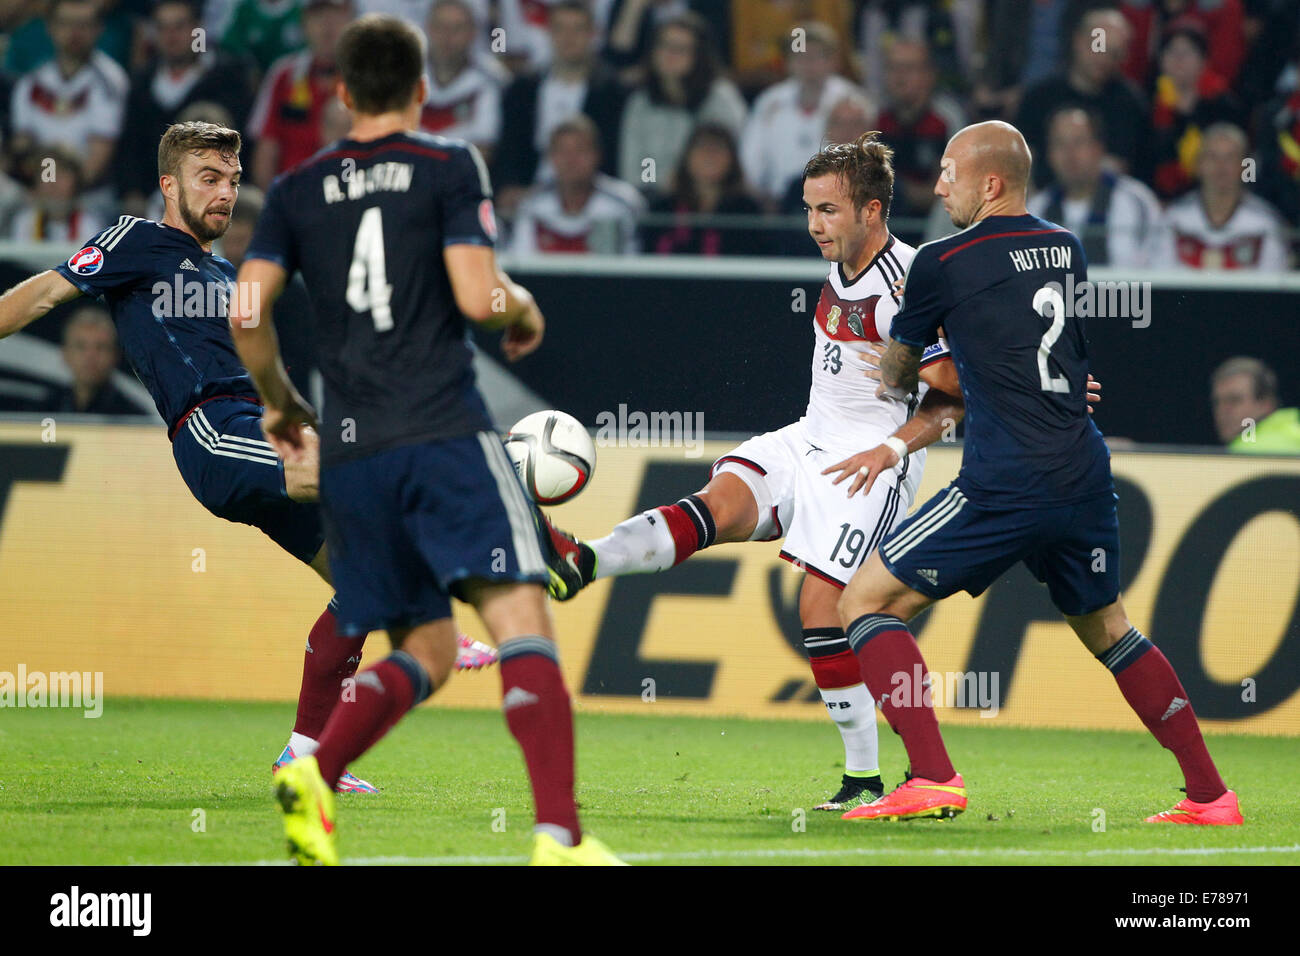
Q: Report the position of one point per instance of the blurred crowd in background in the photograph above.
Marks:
(1165, 132)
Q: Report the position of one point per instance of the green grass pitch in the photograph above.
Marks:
(189, 782)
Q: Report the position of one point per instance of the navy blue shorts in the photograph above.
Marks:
(234, 472)
(952, 544)
(406, 525)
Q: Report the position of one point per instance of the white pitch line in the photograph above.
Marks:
(789, 853)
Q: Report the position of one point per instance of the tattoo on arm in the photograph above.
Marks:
(900, 366)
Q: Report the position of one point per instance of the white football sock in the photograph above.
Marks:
(302, 746)
(854, 713)
(640, 545)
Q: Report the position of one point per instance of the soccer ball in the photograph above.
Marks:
(553, 455)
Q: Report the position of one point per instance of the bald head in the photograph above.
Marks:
(997, 149)
(985, 173)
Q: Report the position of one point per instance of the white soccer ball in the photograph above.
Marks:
(553, 455)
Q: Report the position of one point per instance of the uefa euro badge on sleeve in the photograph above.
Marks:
(87, 261)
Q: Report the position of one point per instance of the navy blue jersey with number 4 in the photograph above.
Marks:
(366, 223)
(995, 288)
(169, 299)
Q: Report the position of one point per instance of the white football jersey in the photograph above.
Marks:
(1252, 238)
(843, 410)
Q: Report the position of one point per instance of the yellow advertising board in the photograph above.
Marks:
(108, 565)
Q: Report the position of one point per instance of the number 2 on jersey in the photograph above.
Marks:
(1044, 297)
(368, 288)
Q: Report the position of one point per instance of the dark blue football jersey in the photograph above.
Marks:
(365, 223)
(1023, 363)
(170, 301)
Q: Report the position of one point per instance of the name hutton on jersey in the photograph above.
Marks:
(1041, 257)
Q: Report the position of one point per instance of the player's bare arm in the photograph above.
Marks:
(941, 409)
(900, 368)
(489, 298)
(253, 331)
(32, 298)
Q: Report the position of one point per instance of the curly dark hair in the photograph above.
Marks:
(865, 165)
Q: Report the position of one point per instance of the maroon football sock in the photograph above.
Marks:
(885, 647)
(330, 659)
(1149, 684)
(537, 711)
(379, 697)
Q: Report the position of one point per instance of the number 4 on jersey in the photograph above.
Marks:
(368, 288)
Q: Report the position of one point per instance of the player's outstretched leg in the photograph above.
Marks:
(848, 702)
(537, 711)
(873, 609)
(330, 659)
(654, 540)
(1149, 684)
(381, 695)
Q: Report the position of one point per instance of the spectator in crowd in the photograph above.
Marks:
(179, 77)
(529, 32)
(1279, 144)
(849, 118)
(1189, 98)
(917, 123)
(683, 87)
(947, 31)
(708, 182)
(1118, 218)
(1220, 21)
(55, 211)
(1243, 392)
(464, 91)
(630, 35)
(91, 353)
(764, 31)
(1092, 80)
(13, 197)
(75, 100)
(31, 45)
(1271, 28)
(335, 121)
(584, 210)
(576, 82)
(1026, 42)
(786, 124)
(263, 30)
(286, 119)
(1221, 225)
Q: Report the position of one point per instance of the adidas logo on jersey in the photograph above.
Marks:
(929, 574)
(518, 697)
(186, 264)
(1175, 706)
